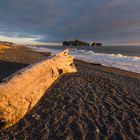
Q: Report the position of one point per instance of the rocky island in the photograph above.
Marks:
(77, 42)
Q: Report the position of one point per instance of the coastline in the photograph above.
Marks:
(128, 61)
(96, 102)
(18, 57)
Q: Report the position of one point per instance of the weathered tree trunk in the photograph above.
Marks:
(20, 92)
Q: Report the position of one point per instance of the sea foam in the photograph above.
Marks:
(129, 63)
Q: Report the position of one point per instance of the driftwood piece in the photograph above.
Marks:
(20, 92)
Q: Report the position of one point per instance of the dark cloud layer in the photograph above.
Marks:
(109, 21)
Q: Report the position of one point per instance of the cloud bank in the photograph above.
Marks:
(110, 22)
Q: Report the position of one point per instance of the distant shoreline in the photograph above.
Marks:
(25, 56)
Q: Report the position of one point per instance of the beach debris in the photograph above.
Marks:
(21, 91)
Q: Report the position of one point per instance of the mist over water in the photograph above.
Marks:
(123, 57)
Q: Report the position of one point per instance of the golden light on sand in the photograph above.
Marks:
(3, 47)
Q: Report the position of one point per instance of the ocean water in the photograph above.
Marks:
(123, 57)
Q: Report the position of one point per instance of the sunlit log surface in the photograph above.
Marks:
(20, 92)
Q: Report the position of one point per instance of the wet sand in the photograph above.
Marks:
(97, 102)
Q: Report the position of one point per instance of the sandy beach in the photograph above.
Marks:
(97, 102)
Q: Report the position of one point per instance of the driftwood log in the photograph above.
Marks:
(20, 92)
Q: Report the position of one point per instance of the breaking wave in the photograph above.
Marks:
(129, 63)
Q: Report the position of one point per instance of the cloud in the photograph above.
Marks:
(19, 40)
(106, 21)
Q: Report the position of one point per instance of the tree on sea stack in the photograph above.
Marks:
(66, 43)
(96, 44)
(20, 92)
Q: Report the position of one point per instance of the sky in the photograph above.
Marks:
(53, 21)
